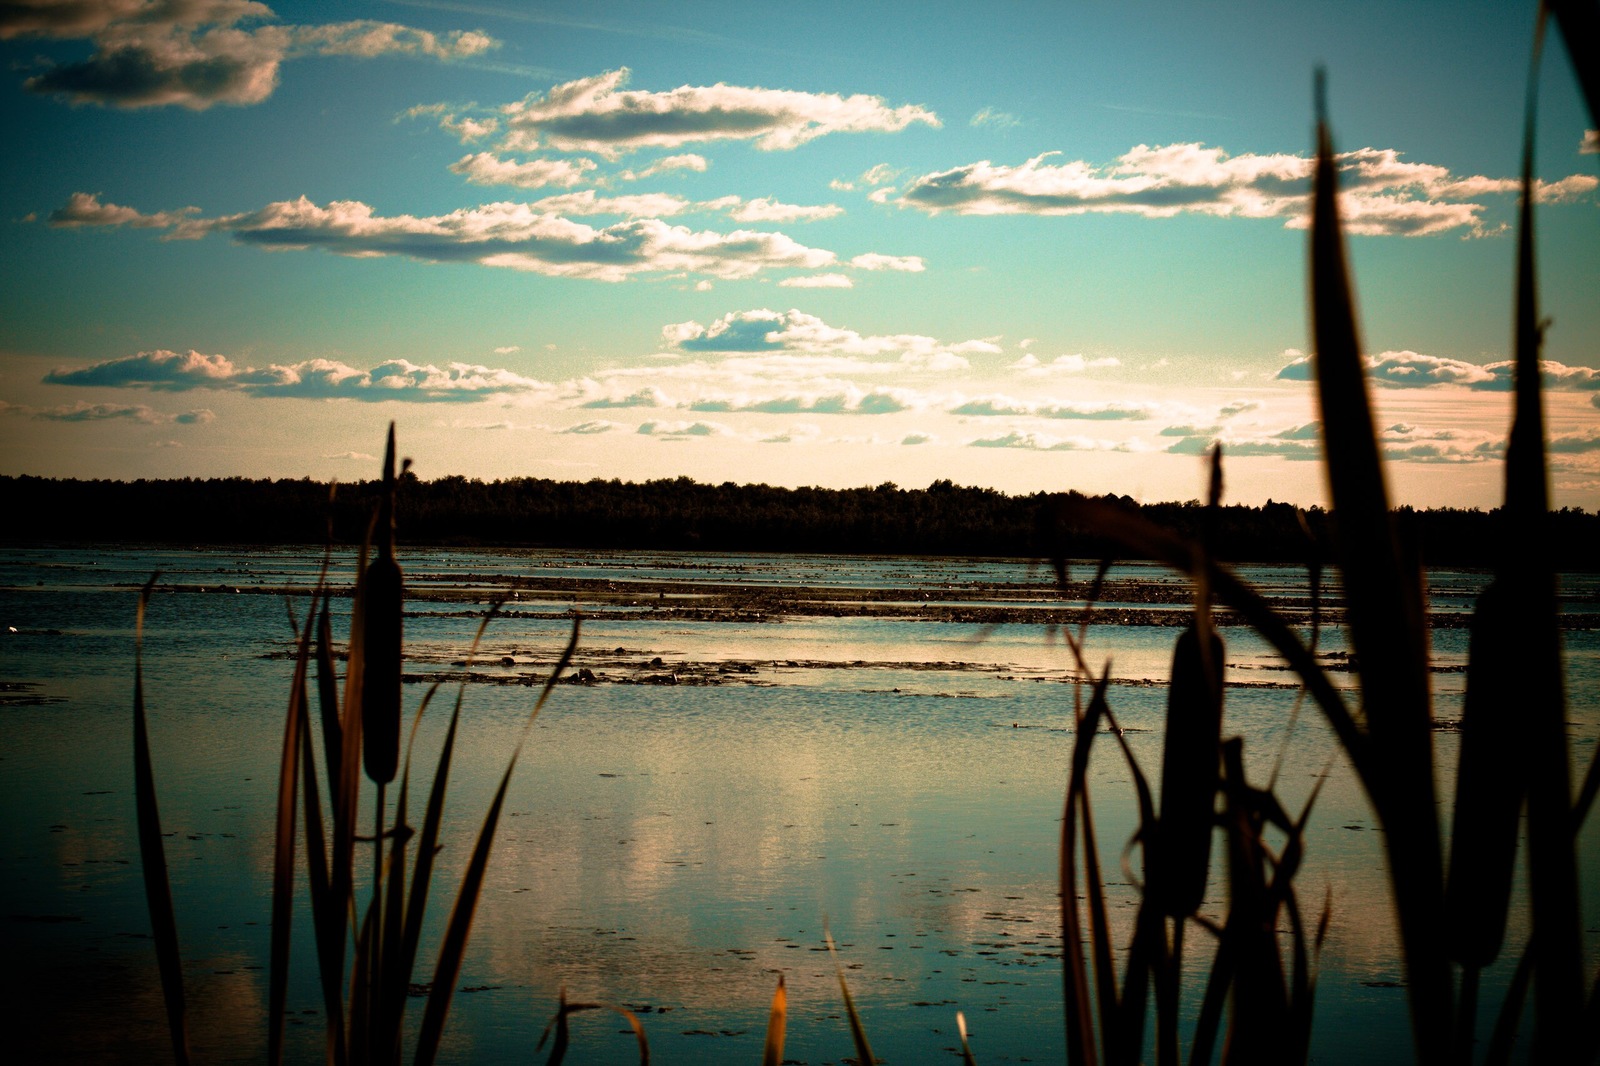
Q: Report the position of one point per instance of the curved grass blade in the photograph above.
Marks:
(454, 948)
(558, 1050)
(858, 1033)
(1579, 21)
(777, 1016)
(152, 854)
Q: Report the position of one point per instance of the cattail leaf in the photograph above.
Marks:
(1075, 979)
(453, 950)
(152, 853)
(328, 698)
(1509, 1019)
(1557, 939)
(283, 862)
(1150, 541)
(858, 1032)
(1579, 22)
(1491, 782)
(777, 1016)
(326, 910)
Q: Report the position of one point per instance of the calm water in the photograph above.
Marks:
(671, 848)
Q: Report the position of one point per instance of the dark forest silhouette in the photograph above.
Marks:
(682, 514)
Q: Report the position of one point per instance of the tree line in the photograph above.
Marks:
(683, 514)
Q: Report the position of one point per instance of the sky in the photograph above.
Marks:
(1029, 246)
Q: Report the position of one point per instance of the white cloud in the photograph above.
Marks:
(1004, 406)
(508, 349)
(848, 401)
(510, 235)
(1000, 120)
(104, 412)
(396, 379)
(1032, 366)
(469, 129)
(765, 330)
(1044, 442)
(649, 396)
(597, 114)
(666, 165)
(684, 429)
(591, 428)
(1590, 145)
(85, 209)
(1411, 370)
(1381, 193)
(817, 281)
(875, 261)
(765, 209)
(198, 53)
(486, 168)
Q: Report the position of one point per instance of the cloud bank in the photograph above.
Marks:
(1382, 194)
(199, 53)
(1411, 370)
(509, 235)
(396, 379)
(596, 114)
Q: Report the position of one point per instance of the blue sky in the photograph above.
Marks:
(1028, 245)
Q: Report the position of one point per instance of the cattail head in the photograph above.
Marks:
(1178, 853)
(380, 599)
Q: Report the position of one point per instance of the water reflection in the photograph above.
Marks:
(672, 847)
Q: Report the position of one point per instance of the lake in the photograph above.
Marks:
(771, 744)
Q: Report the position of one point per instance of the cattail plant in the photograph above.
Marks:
(382, 597)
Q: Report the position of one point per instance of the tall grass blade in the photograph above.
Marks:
(454, 947)
(1491, 781)
(1552, 870)
(283, 863)
(328, 699)
(1503, 1040)
(152, 853)
(1579, 22)
(1078, 1011)
(1383, 599)
(326, 909)
(858, 1033)
(777, 1017)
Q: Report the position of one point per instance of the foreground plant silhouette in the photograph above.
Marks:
(367, 940)
(1451, 921)
(1513, 755)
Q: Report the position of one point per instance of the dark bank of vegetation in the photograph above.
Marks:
(943, 519)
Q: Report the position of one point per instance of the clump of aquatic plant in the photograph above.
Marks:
(1204, 790)
(367, 937)
(1513, 757)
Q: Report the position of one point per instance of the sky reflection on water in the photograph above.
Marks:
(668, 847)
